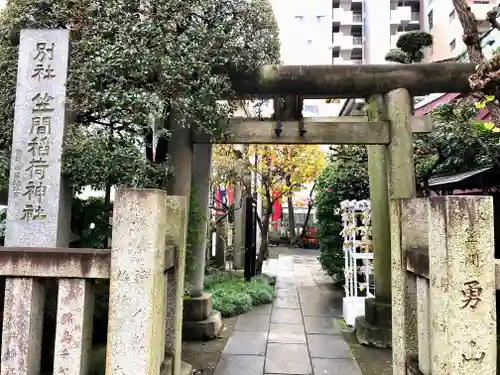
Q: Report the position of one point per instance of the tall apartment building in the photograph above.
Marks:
(440, 19)
(365, 30)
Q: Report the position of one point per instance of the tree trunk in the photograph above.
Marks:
(220, 243)
(264, 244)
(292, 237)
(474, 50)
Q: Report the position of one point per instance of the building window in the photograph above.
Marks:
(319, 18)
(453, 44)
(452, 15)
(299, 18)
(430, 19)
(481, 2)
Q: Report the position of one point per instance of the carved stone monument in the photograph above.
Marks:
(39, 205)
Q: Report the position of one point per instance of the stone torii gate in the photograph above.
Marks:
(387, 132)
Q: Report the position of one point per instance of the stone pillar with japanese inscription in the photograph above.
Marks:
(462, 286)
(39, 203)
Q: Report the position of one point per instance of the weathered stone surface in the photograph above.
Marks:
(287, 359)
(379, 196)
(176, 243)
(207, 329)
(328, 346)
(22, 326)
(286, 316)
(320, 325)
(240, 364)
(286, 303)
(55, 262)
(287, 333)
(378, 312)
(75, 311)
(137, 286)
(329, 366)
(253, 322)
(423, 321)
(39, 205)
(376, 336)
(198, 308)
(200, 192)
(247, 342)
(316, 309)
(261, 310)
(462, 285)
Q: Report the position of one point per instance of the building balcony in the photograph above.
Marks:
(401, 15)
(342, 61)
(346, 17)
(346, 42)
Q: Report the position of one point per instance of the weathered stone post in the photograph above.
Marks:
(200, 321)
(462, 286)
(177, 219)
(137, 283)
(409, 231)
(181, 153)
(401, 172)
(242, 190)
(39, 205)
(199, 215)
(374, 327)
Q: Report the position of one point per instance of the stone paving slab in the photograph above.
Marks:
(295, 335)
(328, 366)
(247, 342)
(287, 333)
(253, 322)
(261, 310)
(240, 364)
(328, 346)
(324, 326)
(286, 316)
(320, 310)
(289, 302)
(287, 359)
(287, 293)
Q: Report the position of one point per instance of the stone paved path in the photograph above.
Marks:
(296, 335)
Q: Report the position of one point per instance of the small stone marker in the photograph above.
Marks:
(39, 205)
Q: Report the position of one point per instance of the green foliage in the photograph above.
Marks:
(3, 220)
(90, 222)
(345, 177)
(134, 68)
(410, 47)
(4, 168)
(232, 295)
(458, 143)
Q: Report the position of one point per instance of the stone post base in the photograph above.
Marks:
(374, 329)
(167, 367)
(200, 321)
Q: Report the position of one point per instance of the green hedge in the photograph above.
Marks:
(345, 177)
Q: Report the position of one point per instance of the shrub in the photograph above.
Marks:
(345, 177)
(232, 295)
